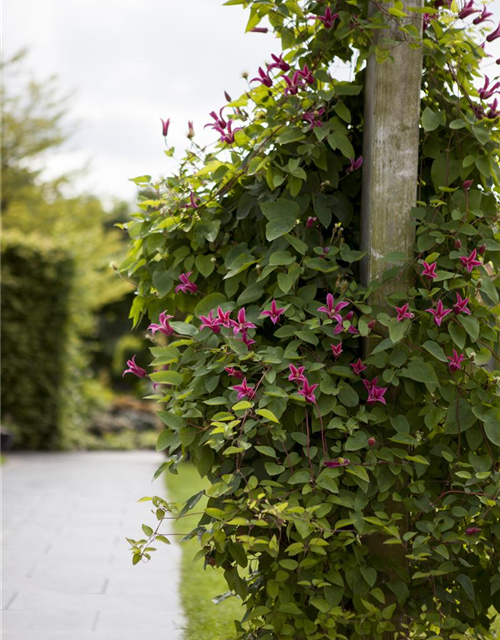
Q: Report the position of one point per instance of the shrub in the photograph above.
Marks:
(352, 446)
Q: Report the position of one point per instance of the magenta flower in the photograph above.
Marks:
(333, 312)
(439, 313)
(134, 368)
(403, 313)
(186, 285)
(219, 120)
(308, 391)
(307, 74)
(164, 326)
(192, 200)
(231, 371)
(376, 394)
(244, 391)
(486, 92)
(296, 373)
(358, 367)
(311, 221)
(339, 462)
(429, 270)
(259, 30)
(246, 339)
(494, 34)
(456, 361)
(224, 319)
(493, 112)
(370, 384)
(275, 313)
(264, 78)
(460, 305)
(470, 531)
(293, 84)
(336, 349)
(209, 322)
(190, 133)
(242, 324)
(328, 19)
(355, 164)
(165, 124)
(470, 262)
(484, 15)
(467, 184)
(227, 136)
(340, 326)
(313, 117)
(468, 10)
(278, 63)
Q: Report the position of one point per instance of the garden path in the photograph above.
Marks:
(67, 571)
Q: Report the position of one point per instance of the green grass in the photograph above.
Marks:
(205, 620)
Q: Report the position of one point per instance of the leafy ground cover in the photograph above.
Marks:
(205, 621)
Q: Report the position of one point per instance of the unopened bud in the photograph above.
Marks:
(467, 184)
(458, 244)
(227, 96)
(372, 324)
(372, 442)
(481, 250)
(190, 133)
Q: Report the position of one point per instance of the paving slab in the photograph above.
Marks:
(67, 570)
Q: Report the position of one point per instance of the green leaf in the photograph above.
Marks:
(397, 329)
(430, 119)
(167, 377)
(435, 350)
(205, 265)
(172, 420)
(420, 372)
(265, 413)
(281, 258)
(348, 396)
(166, 439)
(162, 282)
(300, 477)
(457, 333)
(266, 451)
(209, 303)
(357, 441)
(467, 585)
(471, 325)
(492, 425)
(273, 469)
(242, 406)
(340, 141)
(282, 215)
(459, 416)
(359, 471)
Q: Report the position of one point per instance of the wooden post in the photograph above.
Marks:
(390, 174)
(390, 151)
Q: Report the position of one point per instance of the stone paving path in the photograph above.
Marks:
(67, 571)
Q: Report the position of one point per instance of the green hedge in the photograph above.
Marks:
(42, 359)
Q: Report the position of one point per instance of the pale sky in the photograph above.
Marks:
(131, 62)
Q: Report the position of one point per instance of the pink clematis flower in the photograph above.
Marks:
(403, 313)
(493, 35)
(370, 384)
(246, 339)
(224, 319)
(484, 15)
(186, 285)
(275, 313)
(467, 184)
(339, 462)
(308, 391)
(219, 120)
(134, 368)
(429, 270)
(358, 367)
(259, 30)
(307, 74)
(486, 92)
(165, 124)
(470, 262)
(192, 200)
(456, 361)
(340, 326)
(311, 222)
(336, 349)
(278, 63)
(468, 10)
(293, 84)
(244, 391)
(209, 322)
(264, 78)
(470, 531)
(460, 305)
(163, 326)
(226, 136)
(439, 313)
(328, 19)
(493, 112)
(376, 394)
(355, 164)
(231, 371)
(242, 324)
(296, 373)
(333, 312)
(313, 117)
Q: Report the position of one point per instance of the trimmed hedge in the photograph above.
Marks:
(41, 356)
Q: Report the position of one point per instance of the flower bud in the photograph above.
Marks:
(190, 133)
(372, 324)
(227, 96)
(311, 222)
(372, 442)
(467, 184)
(481, 250)
(458, 244)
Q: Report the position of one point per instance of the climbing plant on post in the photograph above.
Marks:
(247, 261)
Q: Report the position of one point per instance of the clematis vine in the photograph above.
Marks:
(264, 78)
(456, 361)
(355, 164)
(308, 390)
(403, 313)
(296, 373)
(274, 313)
(328, 19)
(358, 367)
(242, 324)
(339, 462)
(244, 391)
(163, 326)
(336, 349)
(429, 270)
(209, 322)
(186, 285)
(333, 312)
(134, 368)
(231, 371)
(439, 313)
(470, 262)
(165, 124)
(460, 305)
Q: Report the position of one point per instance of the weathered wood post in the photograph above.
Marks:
(390, 173)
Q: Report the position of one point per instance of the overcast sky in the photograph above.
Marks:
(131, 62)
